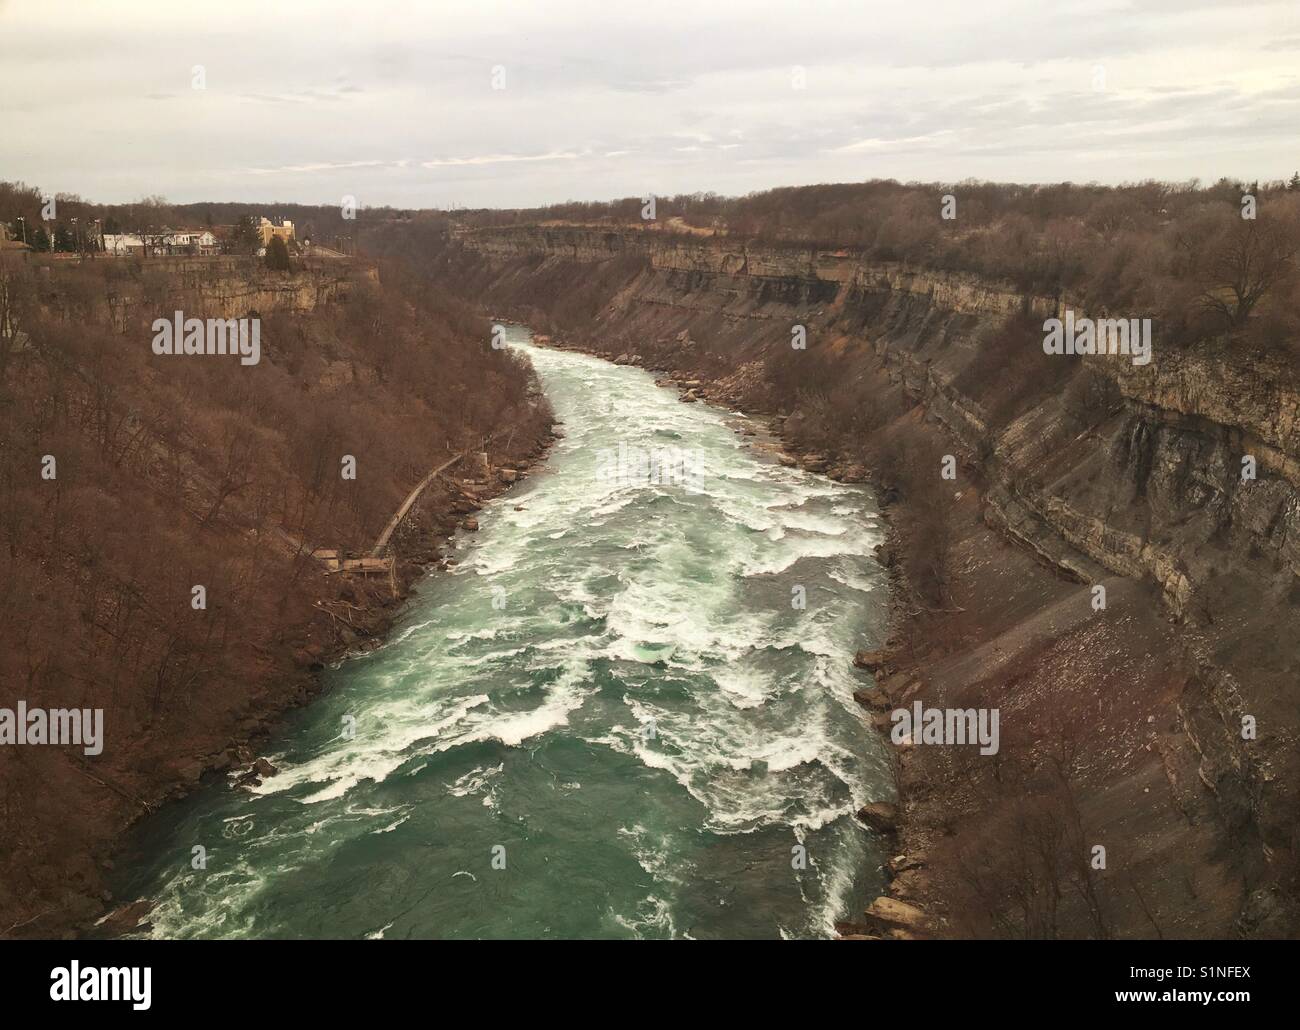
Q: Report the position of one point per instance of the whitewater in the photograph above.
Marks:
(611, 718)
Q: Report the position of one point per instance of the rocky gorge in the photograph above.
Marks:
(1147, 781)
(213, 490)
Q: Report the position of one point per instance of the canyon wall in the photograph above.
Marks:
(1112, 472)
(216, 287)
(162, 572)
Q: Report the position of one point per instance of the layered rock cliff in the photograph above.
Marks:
(223, 287)
(1102, 472)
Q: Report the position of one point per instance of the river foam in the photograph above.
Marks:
(615, 686)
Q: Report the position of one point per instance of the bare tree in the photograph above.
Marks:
(1243, 264)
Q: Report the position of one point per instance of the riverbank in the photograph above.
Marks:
(1093, 749)
(936, 656)
(1080, 551)
(358, 615)
(612, 687)
(162, 517)
(909, 910)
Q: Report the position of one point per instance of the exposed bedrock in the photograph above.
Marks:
(1113, 470)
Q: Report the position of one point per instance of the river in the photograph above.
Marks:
(611, 719)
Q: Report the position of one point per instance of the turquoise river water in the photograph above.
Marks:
(611, 719)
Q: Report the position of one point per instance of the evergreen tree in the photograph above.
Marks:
(244, 239)
(277, 255)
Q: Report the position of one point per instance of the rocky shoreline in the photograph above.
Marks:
(1087, 565)
(901, 913)
(360, 618)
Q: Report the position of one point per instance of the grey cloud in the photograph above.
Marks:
(394, 101)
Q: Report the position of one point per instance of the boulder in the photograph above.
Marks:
(264, 768)
(872, 661)
(891, 914)
(881, 816)
(872, 697)
(508, 475)
(470, 525)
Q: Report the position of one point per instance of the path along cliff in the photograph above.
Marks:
(162, 573)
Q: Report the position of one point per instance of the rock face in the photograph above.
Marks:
(881, 816)
(233, 287)
(1143, 490)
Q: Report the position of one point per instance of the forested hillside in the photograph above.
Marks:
(129, 479)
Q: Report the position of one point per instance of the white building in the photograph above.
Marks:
(162, 244)
(122, 244)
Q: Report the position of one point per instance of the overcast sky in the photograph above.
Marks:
(393, 102)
